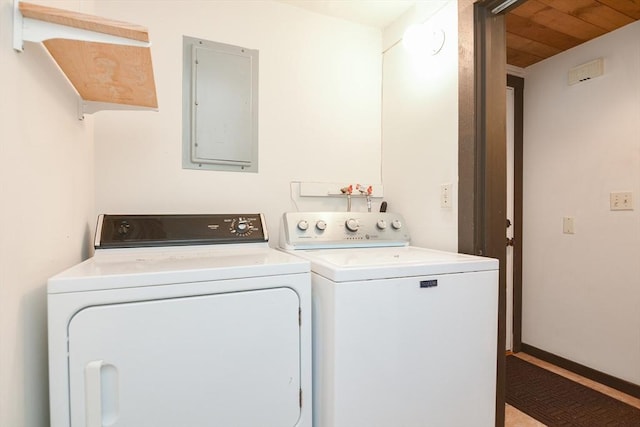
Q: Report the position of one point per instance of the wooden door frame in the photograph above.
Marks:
(482, 175)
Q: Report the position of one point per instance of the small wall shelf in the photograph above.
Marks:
(330, 189)
(107, 62)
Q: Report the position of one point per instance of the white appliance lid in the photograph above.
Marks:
(128, 268)
(342, 265)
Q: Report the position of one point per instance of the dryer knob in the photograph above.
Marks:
(397, 224)
(321, 225)
(352, 224)
(382, 224)
(242, 226)
(303, 225)
(123, 228)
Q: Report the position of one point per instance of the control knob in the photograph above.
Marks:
(382, 224)
(123, 228)
(352, 224)
(396, 224)
(303, 225)
(321, 225)
(242, 226)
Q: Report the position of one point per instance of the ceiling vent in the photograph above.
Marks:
(586, 71)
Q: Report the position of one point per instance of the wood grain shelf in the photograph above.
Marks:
(107, 62)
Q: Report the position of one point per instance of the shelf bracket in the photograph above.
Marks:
(90, 107)
(18, 24)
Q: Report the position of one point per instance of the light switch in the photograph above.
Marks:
(621, 201)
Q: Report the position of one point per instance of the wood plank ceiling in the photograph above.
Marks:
(538, 29)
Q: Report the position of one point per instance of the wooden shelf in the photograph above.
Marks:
(107, 62)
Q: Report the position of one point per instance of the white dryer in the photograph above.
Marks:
(402, 336)
(181, 320)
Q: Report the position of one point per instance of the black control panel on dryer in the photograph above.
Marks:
(125, 231)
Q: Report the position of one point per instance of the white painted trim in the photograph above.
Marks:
(516, 71)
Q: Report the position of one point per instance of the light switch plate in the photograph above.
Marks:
(621, 201)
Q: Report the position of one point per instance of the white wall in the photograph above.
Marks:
(581, 292)
(420, 129)
(320, 120)
(320, 107)
(319, 117)
(46, 194)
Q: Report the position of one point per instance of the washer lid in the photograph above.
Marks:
(130, 268)
(341, 265)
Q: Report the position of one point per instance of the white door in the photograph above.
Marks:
(510, 215)
(230, 360)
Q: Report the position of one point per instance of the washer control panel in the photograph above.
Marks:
(316, 230)
(122, 231)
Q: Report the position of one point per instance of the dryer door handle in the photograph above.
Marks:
(100, 377)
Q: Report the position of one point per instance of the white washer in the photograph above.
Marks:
(403, 336)
(166, 326)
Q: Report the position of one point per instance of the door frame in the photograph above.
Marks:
(482, 150)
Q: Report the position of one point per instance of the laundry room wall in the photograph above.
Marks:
(319, 111)
(420, 126)
(320, 121)
(46, 194)
(582, 142)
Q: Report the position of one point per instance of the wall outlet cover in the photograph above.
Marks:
(568, 225)
(446, 191)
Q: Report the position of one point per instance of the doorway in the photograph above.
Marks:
(510, 220)
(482, 152)
(514, 148)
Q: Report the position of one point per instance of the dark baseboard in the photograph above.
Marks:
(606, 379)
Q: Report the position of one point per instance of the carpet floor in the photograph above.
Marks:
(557, 401)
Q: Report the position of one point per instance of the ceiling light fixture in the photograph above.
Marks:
(423, 38)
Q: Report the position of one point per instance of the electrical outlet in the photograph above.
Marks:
(568, 225)
(621, 201)
(446, 191)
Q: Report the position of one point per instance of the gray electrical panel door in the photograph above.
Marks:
(220, 105)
